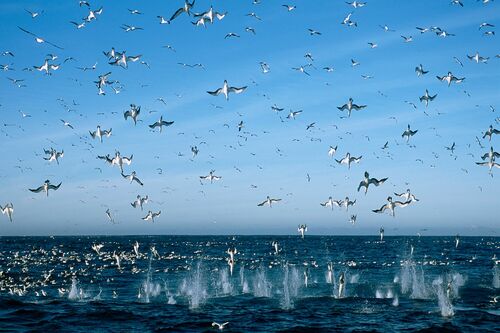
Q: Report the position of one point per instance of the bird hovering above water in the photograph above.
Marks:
(391, 205)
(349, 106)
(211, 177)
(269, 201)
(160, 123)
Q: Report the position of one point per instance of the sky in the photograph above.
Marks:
(272, 155)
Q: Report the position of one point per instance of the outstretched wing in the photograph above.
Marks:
(216, 92)
(237, 90)
(54, 187)
(381, 209)
(37, 190)
(402, 204)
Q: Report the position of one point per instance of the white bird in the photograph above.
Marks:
(269, 201)
(140, 201)
(226, 89)
(54, 155)
(132, 177)
(449, 78)
(477, 58)
(391, 205)
(185, 9)
(427, 98)
(220, 326)
(332, 150)
(302, 229)
(132, 113)
(160, 123)
(490, 132)
(331, 202)
(211, 177)
(151, 216)
(349, 106)
(100, 133)
(46, 187)
(348, 160)
(407, 196)
(408, 133)
(8, 210)
(420, 70)
(367, 181)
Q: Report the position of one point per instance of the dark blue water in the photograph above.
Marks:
(61, 284)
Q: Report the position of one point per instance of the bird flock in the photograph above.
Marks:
(108, 76)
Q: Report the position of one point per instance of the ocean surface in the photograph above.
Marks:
(184, 284)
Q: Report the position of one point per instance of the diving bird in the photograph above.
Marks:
(331, 202)
(151, 216)
(491, 155)
(132, 113)
(477, 58)
(100, 133)
(381, 231)
(348, 160)
(391, 205)
(269, 201)
(367, 181)
(211, 177)
(8, 210)
(490, 164)
(346, 203)
(490, 132)
(426, 98)
(349, 106)
(302, 229)
(185, 9)
(54, 155)
(46, 187)
(352, 219)
(449, 78)
(110, 218)
(408, 133)
(117, 160)
(132, 177)
(140, 201)
(293, 114)
(332, 150)
(160, 123)
(226, 89)
(407, 196)
(420, 70)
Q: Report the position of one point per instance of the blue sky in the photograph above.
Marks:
(456, 196)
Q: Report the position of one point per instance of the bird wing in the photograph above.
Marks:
(54, 187)
(237, 90)
(381, 209)
(37, 190)
(177, 13)
(402, 204)
(216, 92)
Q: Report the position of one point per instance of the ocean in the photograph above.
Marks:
(185, 283)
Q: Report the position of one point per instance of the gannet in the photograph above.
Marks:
(427, 98)
(491, 155)
(349, 106)
(211, 177)
(330, 203)
(449, 78)
(381, 231)
(477, 58)
(8, 209)
(341, 285)
(407, 196)
(185, 9)
(269, 201)
(490, 132)
(160, 123)
(132, 177)
(408, 133)
(348, 160)
(391, 205)
(100, 133)
(151, 216)
(302, 229)
(54, 155)
(332, 150)
(275, 245)
(226, 89)
(133, 113)
(367, 181)
(139, 202)
(46, 187)
(420, 70)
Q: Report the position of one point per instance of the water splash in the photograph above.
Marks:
(291, 284)
(223, 283)
(194, 288)
(496, 277)
(261, 285)
(444, 302)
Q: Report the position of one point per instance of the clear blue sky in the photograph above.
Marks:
(456, 196)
